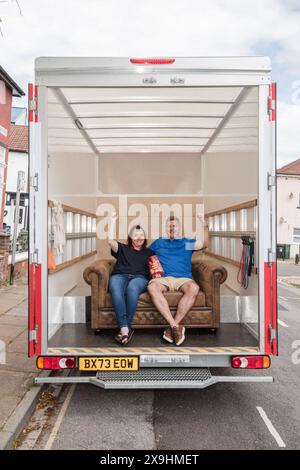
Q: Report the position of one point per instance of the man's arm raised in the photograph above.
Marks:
(202, 244)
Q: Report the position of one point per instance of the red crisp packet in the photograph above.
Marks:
(155, 268)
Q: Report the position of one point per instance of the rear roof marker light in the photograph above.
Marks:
(152, 61)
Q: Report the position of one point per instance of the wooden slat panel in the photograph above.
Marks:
(69, 263)
(237, 207)
(73, 209)
(228, 260)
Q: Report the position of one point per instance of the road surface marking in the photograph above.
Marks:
(283, 298)
(280, 322)
(60, 418)
(270, 427)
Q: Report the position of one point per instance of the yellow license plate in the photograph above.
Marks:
(127, 363)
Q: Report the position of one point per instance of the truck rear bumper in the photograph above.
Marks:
(155, 378)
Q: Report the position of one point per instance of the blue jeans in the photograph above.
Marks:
(125, 290)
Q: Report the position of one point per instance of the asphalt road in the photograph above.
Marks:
(288, 269)
(223, 416)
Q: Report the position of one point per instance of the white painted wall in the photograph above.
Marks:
(230, 173)
(288, 210)
(149, 173)
(59, 284)
(229, 178)
(17, 161)
(73, 179)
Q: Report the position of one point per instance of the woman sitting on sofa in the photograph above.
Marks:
(129, 278)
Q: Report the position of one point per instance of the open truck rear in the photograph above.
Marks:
(168, 132)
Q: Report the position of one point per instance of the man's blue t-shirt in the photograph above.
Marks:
(175, 255)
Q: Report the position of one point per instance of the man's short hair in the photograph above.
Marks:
(173, 218)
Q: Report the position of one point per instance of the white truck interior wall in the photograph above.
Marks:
(242, 305)
(60, 309)
(149, 173)
(72, 179)
(229, 178)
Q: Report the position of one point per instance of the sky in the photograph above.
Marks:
(145, 28)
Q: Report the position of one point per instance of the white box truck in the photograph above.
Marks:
(153, 133)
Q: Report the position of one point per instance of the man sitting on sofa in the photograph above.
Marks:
(175, 256)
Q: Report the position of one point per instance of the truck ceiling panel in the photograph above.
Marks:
(62, 132)
(152, 149)
(60, 123)
(151, 94)
(151, 119)
(235, 140)
(153, 141)
(239, 131)
(69, 149)
(243, 121)
(231, 148)
(148, 132)
(246, 115)
(138, 122)
(94, 109)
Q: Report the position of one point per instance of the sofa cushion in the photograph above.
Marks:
(172, 298)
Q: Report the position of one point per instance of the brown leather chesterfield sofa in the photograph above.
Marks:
(204, 314)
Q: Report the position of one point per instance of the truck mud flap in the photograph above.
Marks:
(157, 378)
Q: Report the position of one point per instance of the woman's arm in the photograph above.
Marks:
(111, 231)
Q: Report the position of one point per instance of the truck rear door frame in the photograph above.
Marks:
(57, 72)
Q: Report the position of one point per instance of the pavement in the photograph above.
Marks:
(16, 369)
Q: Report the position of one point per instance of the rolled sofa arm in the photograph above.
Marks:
(97, 276)
(209, 275)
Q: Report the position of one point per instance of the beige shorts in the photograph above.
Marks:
(173, 283)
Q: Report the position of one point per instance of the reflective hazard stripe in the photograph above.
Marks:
(32, 102)
(272, 102)
(160, 350)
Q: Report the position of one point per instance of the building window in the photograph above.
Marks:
(296, 235)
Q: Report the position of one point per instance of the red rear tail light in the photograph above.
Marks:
(56, 362)
(152, 61)
(250, 362)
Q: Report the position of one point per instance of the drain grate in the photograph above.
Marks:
(161, 374)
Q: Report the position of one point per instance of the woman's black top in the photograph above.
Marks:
(131, 261)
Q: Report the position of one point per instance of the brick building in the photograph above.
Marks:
(8, 90)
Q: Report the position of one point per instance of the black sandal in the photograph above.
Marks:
(118, 338)
(125, 339)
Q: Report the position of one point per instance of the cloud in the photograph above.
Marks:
(150, 28)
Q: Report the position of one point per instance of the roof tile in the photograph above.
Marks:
(292, 168)
(18, 138)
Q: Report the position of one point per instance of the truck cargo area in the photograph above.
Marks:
(186, 147)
